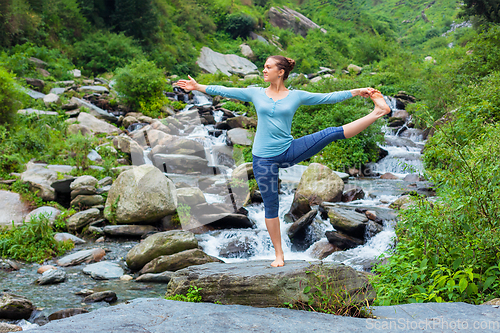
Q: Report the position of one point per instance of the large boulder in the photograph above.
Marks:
(12, 209)
(50, 213)
(176, 261)
(228, 64)
(286, 18)
(348, 221)
(240, 136)
(256, 283)
(140, 195)
(41, 178)
(162, 243)
(81, 219)
(96, 125)
(15, 307)
(190, 196)
(319, 183)
(180, 163)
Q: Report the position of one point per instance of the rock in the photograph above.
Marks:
(350, 222)
(412, 178)
(388, 175)
(190, 196)
(128, 230)
(15, 307)
(87, 201)
(494, 301)
(297, 229)
(177, 261)
(405, 199)
(318, 183)
(96, 231)
(104, 270)
(29, 111)
(40, 179)
(240, 136)
(9, 265)
(162, 243)
(163, 277)
(94, 110)
(242, 122)
(66, 313)
(251, 282)
(355, 193)
(226, 221)
(81, 219)
(76, 73)
(96, 125)
(49, 212)
(63, 236)
(177, 144)
(316, 79)
(51, 98)
(127, 121)
(372, 215)
(299, 207)
(342, 241)
(107, 296)
(286, 18)
(98, 89)
(323, 249)
(74, 129)
(4, 327)
(247, 51)
(84, 256)
(180, 163)
(126, 277)
(105, 181)
(373, 228)
(228, 64)
(44, 268)
(243, 171)
(83, 190)
(12, 209)
(354, 69)
(142, 195)
(52, 276)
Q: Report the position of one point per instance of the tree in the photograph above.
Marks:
(487, 9)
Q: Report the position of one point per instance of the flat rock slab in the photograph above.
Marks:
(257, 283)
(157, 315)
(104, 270)
(12, 209)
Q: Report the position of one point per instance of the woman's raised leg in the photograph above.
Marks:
(357, 126)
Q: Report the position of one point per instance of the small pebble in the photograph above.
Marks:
(126, 277)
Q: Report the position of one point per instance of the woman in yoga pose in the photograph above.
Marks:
(274, 147)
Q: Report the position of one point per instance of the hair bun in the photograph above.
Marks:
(292, 63)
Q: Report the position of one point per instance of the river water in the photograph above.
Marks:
(403, 157)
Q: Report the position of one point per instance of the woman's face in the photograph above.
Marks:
(271, 71)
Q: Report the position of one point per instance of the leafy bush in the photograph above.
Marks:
(448, 250)
(10, 97)
(239, 25)
(104, 52)
(141, 85)
(193, 295)
(33, 241)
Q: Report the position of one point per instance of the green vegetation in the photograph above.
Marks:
(192, 295)
(325, 295)
(9, 99)
(32, 242)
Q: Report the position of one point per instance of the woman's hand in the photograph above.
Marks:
(188, 84)
(364, 92)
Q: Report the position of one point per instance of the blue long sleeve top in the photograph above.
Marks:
(274, 123)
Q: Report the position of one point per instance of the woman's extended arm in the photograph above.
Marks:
(243, 94)
(309, 98)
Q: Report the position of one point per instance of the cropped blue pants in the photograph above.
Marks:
(266, 169)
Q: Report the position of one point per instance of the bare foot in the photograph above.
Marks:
(280, 261)
(381, 107)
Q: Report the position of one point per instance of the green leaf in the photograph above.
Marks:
(463, 284)
(488, 282)
(457, 263)
(307, 289)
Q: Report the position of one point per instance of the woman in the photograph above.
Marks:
(274, 147)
